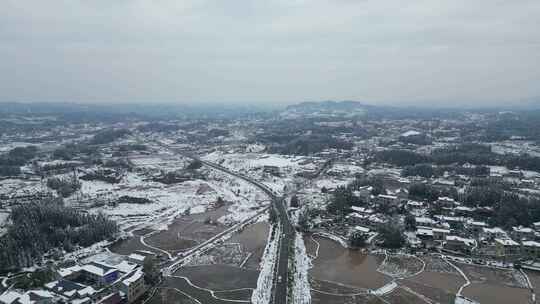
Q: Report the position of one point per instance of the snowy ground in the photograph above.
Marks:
(342, 169)
(160, 162)
(3, 222)
(168, 201)
(248, 161)
(252, 165)
(263, 293)
(301, 293)
(19, 187)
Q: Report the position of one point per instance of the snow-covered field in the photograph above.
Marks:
(253, 165)
(19, 187)
(245, 162)
(169, 201)
(341, 169)
(161, 162)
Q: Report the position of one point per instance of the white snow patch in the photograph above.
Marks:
(263, 293)
(300, 266)
(385, 289)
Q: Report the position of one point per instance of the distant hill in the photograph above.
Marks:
(329, 105)
(355, 109)
(345, 108)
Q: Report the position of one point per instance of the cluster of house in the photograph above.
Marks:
(94, 282)
(452, 229)
(367, 216)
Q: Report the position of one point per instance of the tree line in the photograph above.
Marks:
(11, 162)
(475, 154)
(40, 227)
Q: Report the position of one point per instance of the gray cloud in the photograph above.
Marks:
(269, 51)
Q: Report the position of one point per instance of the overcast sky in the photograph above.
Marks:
(284, 51)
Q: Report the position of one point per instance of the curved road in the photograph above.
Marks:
(279, 293)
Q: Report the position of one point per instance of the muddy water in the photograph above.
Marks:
(337, 264)
(496, 294)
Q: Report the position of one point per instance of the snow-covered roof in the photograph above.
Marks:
(63, 272)
(410, 133)
(469, 242)
(522, 229)
(424, 232)
(362, 209)
(531, 244)
(375, 219)
(137, 257)
(125, 266)
(439, 230)
(137, 275)
(357, 215)
(98, 269)
(415, 203)
(392, 197)
(424, 220)
(478, 224)
(445, 199)
(507, 242)
(494, 230)
(450, 218)
(69, 288)
(9, 297)
(29, 297)
(464, 208)
(361, 229)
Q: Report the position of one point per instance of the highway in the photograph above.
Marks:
(279, 292)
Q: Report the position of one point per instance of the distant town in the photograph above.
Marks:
(318, 202)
